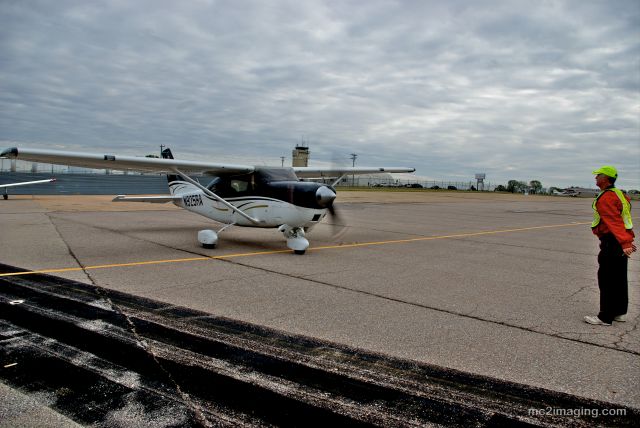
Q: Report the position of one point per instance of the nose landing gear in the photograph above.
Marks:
(295, 238)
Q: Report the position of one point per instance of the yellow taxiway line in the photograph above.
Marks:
(262, 253)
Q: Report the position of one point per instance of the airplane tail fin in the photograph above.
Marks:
(177, 184)
(166, 154)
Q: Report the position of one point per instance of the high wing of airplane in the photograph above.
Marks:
(5, 195)
(241, 195)
(125, 163)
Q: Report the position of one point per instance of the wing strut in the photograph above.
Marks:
(338, 180)
(233, 208)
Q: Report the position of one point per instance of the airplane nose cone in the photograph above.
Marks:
(325, 196)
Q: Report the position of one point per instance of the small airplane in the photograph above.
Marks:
(240, 195)
(567, 192)
(5, 195)
(577, 192)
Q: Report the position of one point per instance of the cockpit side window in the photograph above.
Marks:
(239, 186)
(232, 186)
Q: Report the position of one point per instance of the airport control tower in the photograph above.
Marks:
(300, 156)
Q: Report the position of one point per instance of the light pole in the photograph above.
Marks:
(282, 159)
(353, 164)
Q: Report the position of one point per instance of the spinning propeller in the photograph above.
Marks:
(326, 196)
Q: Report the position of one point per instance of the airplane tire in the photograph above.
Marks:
(299, 252)
(5, 197)
(209, 246)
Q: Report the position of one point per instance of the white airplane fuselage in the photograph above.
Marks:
(269, 212)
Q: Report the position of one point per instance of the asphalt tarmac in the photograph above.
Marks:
(495, 285)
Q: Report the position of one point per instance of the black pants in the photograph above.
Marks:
(612, 279)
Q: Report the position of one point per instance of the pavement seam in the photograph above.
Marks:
(380, 296)
(195, 408)
(396, 300)
(502, 244)
(624, 333)
(583, 288)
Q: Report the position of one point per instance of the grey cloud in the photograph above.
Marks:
(447, 87)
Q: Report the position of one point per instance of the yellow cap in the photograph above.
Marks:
(607, 170)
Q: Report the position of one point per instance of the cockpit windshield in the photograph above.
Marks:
(213, 184)
(276, 174)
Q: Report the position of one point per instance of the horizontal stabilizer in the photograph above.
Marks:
(26, 183)
(152, 199)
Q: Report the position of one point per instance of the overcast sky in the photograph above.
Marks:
(546, 90)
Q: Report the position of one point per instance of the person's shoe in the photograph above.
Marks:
(621, 318)
(593, 319)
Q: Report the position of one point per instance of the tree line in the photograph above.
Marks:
(515, 186)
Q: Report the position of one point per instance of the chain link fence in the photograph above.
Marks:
(369, 181)
(377, 182)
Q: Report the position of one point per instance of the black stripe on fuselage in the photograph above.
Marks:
(297, 193)
(249, 199)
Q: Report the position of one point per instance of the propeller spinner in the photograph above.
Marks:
(325, 197)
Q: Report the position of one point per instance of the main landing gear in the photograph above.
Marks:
(294, 236)
(208, 238)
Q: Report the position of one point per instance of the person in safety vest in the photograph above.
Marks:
(612, 224)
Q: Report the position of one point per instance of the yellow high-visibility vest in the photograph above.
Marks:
(626, 209)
